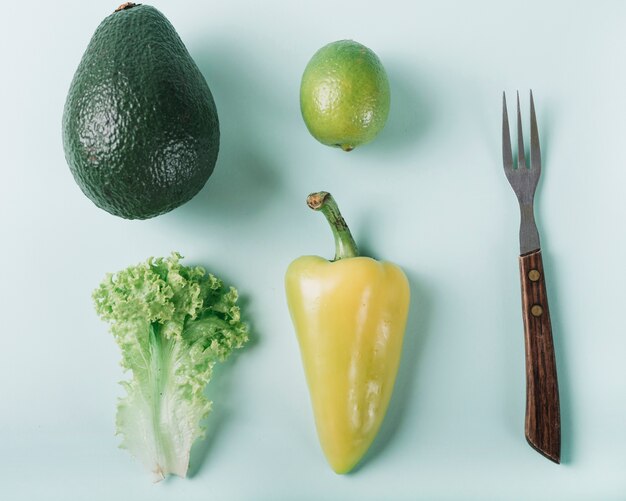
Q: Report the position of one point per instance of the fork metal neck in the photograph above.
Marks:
(528, 234)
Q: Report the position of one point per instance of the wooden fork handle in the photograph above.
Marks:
(543, 419)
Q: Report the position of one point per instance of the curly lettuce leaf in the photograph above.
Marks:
(172, 323)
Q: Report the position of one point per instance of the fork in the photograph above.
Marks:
(543, 421)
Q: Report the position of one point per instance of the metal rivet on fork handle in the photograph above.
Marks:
(534, 275)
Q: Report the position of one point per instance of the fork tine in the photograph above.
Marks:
(507, 155)
(521, 158)
(535, 150)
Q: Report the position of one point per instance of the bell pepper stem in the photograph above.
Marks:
(345, 246)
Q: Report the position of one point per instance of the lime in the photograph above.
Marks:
(344, 95)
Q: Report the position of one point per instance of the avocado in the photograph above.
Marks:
(140, 127)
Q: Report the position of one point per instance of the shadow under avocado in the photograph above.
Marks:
(411, 112)
(236, 190)
(247, 163)
(414, 338)
(217, 391)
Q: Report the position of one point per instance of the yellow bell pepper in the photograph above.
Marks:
(349, 316)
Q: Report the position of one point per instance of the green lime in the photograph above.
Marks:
(344, 95)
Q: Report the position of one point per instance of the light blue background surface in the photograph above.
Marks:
(428, 194)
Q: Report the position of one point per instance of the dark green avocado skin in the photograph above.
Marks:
(140, 127)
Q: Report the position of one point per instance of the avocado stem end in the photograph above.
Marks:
(126, 5)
